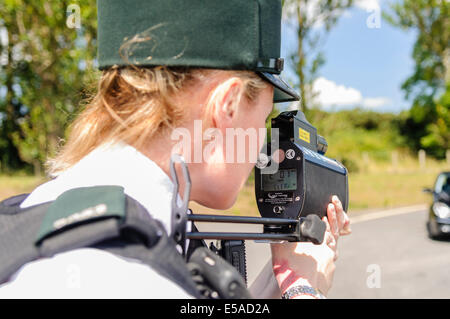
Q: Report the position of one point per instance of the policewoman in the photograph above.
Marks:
(101, 226)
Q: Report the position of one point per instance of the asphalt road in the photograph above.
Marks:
(392, 257)
(385, 257)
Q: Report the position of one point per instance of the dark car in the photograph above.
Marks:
(438, 224)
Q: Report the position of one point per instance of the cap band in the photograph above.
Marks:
(270, 65)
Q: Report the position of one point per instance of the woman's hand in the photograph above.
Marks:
(307, 264)
(338, 219)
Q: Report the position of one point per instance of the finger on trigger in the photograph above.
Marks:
(331, 213)
(340, 214)
(325, 220)
(337, 202)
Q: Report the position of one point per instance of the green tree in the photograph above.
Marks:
(9, 104)
(50, 48)
(438, 131)
(312, 19)
(428, 86)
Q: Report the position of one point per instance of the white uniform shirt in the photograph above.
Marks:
(89, 272)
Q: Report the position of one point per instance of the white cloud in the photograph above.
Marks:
(330, 95)
(312, 10)
(368, 5)
(290, 9)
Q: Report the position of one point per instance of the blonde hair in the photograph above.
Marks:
(133, 105)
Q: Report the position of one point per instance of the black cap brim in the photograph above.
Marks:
(282, 91)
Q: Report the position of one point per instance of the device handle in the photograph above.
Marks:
(216, 276)
(313, 229)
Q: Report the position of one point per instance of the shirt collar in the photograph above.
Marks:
(115, 164)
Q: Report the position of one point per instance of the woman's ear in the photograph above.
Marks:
(225, 102)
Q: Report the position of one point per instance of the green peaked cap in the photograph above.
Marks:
(218, 34)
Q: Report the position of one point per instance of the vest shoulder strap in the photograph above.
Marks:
(12, 205)
(102, 217)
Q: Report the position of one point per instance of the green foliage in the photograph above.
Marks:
(426, 125)
(48, 62)
(351, 133)
(438, 131)
(45, 64)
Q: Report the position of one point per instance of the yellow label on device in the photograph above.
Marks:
(304, 135)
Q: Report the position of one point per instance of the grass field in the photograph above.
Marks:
(14, 185)
(378, 185)
(367, 191)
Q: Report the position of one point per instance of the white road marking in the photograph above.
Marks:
(388, 213)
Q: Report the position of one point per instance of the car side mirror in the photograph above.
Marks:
(444, 197)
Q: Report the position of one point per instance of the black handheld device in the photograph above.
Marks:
(294, 183)
(296, 179)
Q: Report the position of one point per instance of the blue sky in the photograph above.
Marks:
(364, 66)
